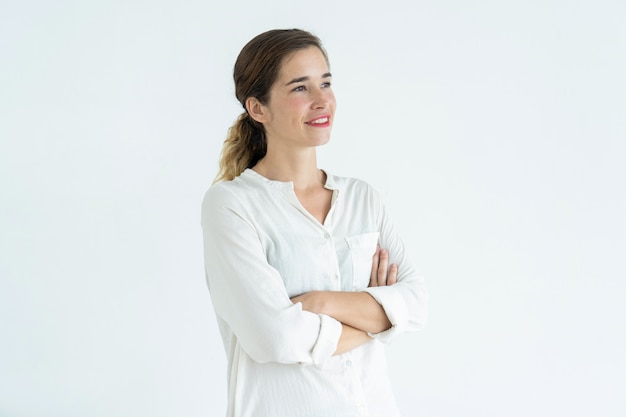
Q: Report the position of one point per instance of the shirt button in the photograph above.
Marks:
(348, 363)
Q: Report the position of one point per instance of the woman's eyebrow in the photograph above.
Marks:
(306, 78)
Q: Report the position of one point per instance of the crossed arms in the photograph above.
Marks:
(255, 311)
(358, 312)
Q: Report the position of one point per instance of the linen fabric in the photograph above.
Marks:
(262, 247)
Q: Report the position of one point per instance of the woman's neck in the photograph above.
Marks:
(301, 169)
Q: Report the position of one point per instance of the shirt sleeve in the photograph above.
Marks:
(406, 302)
(249, 295)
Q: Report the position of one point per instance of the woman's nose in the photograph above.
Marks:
(321, 98)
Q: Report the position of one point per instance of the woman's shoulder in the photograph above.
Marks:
(249, 188)
(226, 192)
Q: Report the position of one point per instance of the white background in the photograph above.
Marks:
(495, 130)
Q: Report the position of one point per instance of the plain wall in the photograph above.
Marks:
(495, 130)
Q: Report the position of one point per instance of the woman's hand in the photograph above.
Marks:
(357, 309)
(382, 273)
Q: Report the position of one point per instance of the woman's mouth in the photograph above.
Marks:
(319, 122)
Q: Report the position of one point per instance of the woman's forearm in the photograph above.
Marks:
(356, 309)
(351, 338)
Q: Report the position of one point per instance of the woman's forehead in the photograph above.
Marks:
(309, 62)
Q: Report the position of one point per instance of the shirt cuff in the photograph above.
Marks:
(327, 341)
(395, 307)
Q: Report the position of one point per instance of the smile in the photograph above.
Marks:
(321, 121)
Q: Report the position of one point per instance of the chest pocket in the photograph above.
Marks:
(361, 248)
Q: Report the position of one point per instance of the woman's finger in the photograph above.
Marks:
(374, 273)
(392, 277)
(382, 267)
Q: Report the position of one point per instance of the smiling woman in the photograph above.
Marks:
(297, 116)
(305, 297)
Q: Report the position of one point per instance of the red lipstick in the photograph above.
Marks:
(322, 121)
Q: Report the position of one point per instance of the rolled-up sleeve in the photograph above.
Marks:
(406, 302)
(249, 295)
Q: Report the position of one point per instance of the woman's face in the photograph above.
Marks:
(301, 104)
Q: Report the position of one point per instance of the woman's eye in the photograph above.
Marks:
(300, 88)
(326, 84)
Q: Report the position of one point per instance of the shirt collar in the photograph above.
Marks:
(331, 182)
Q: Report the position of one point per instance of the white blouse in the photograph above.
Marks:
(261, 247)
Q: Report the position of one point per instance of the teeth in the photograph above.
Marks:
(319, 121)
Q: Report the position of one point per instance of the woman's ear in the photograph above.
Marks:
(256, 110)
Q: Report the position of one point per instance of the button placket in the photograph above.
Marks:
(336, 276)
(357, 386)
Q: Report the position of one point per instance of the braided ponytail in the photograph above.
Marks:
(244, 146)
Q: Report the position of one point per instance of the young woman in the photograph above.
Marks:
(304, 297)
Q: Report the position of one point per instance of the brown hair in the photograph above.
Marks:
(256, 70)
